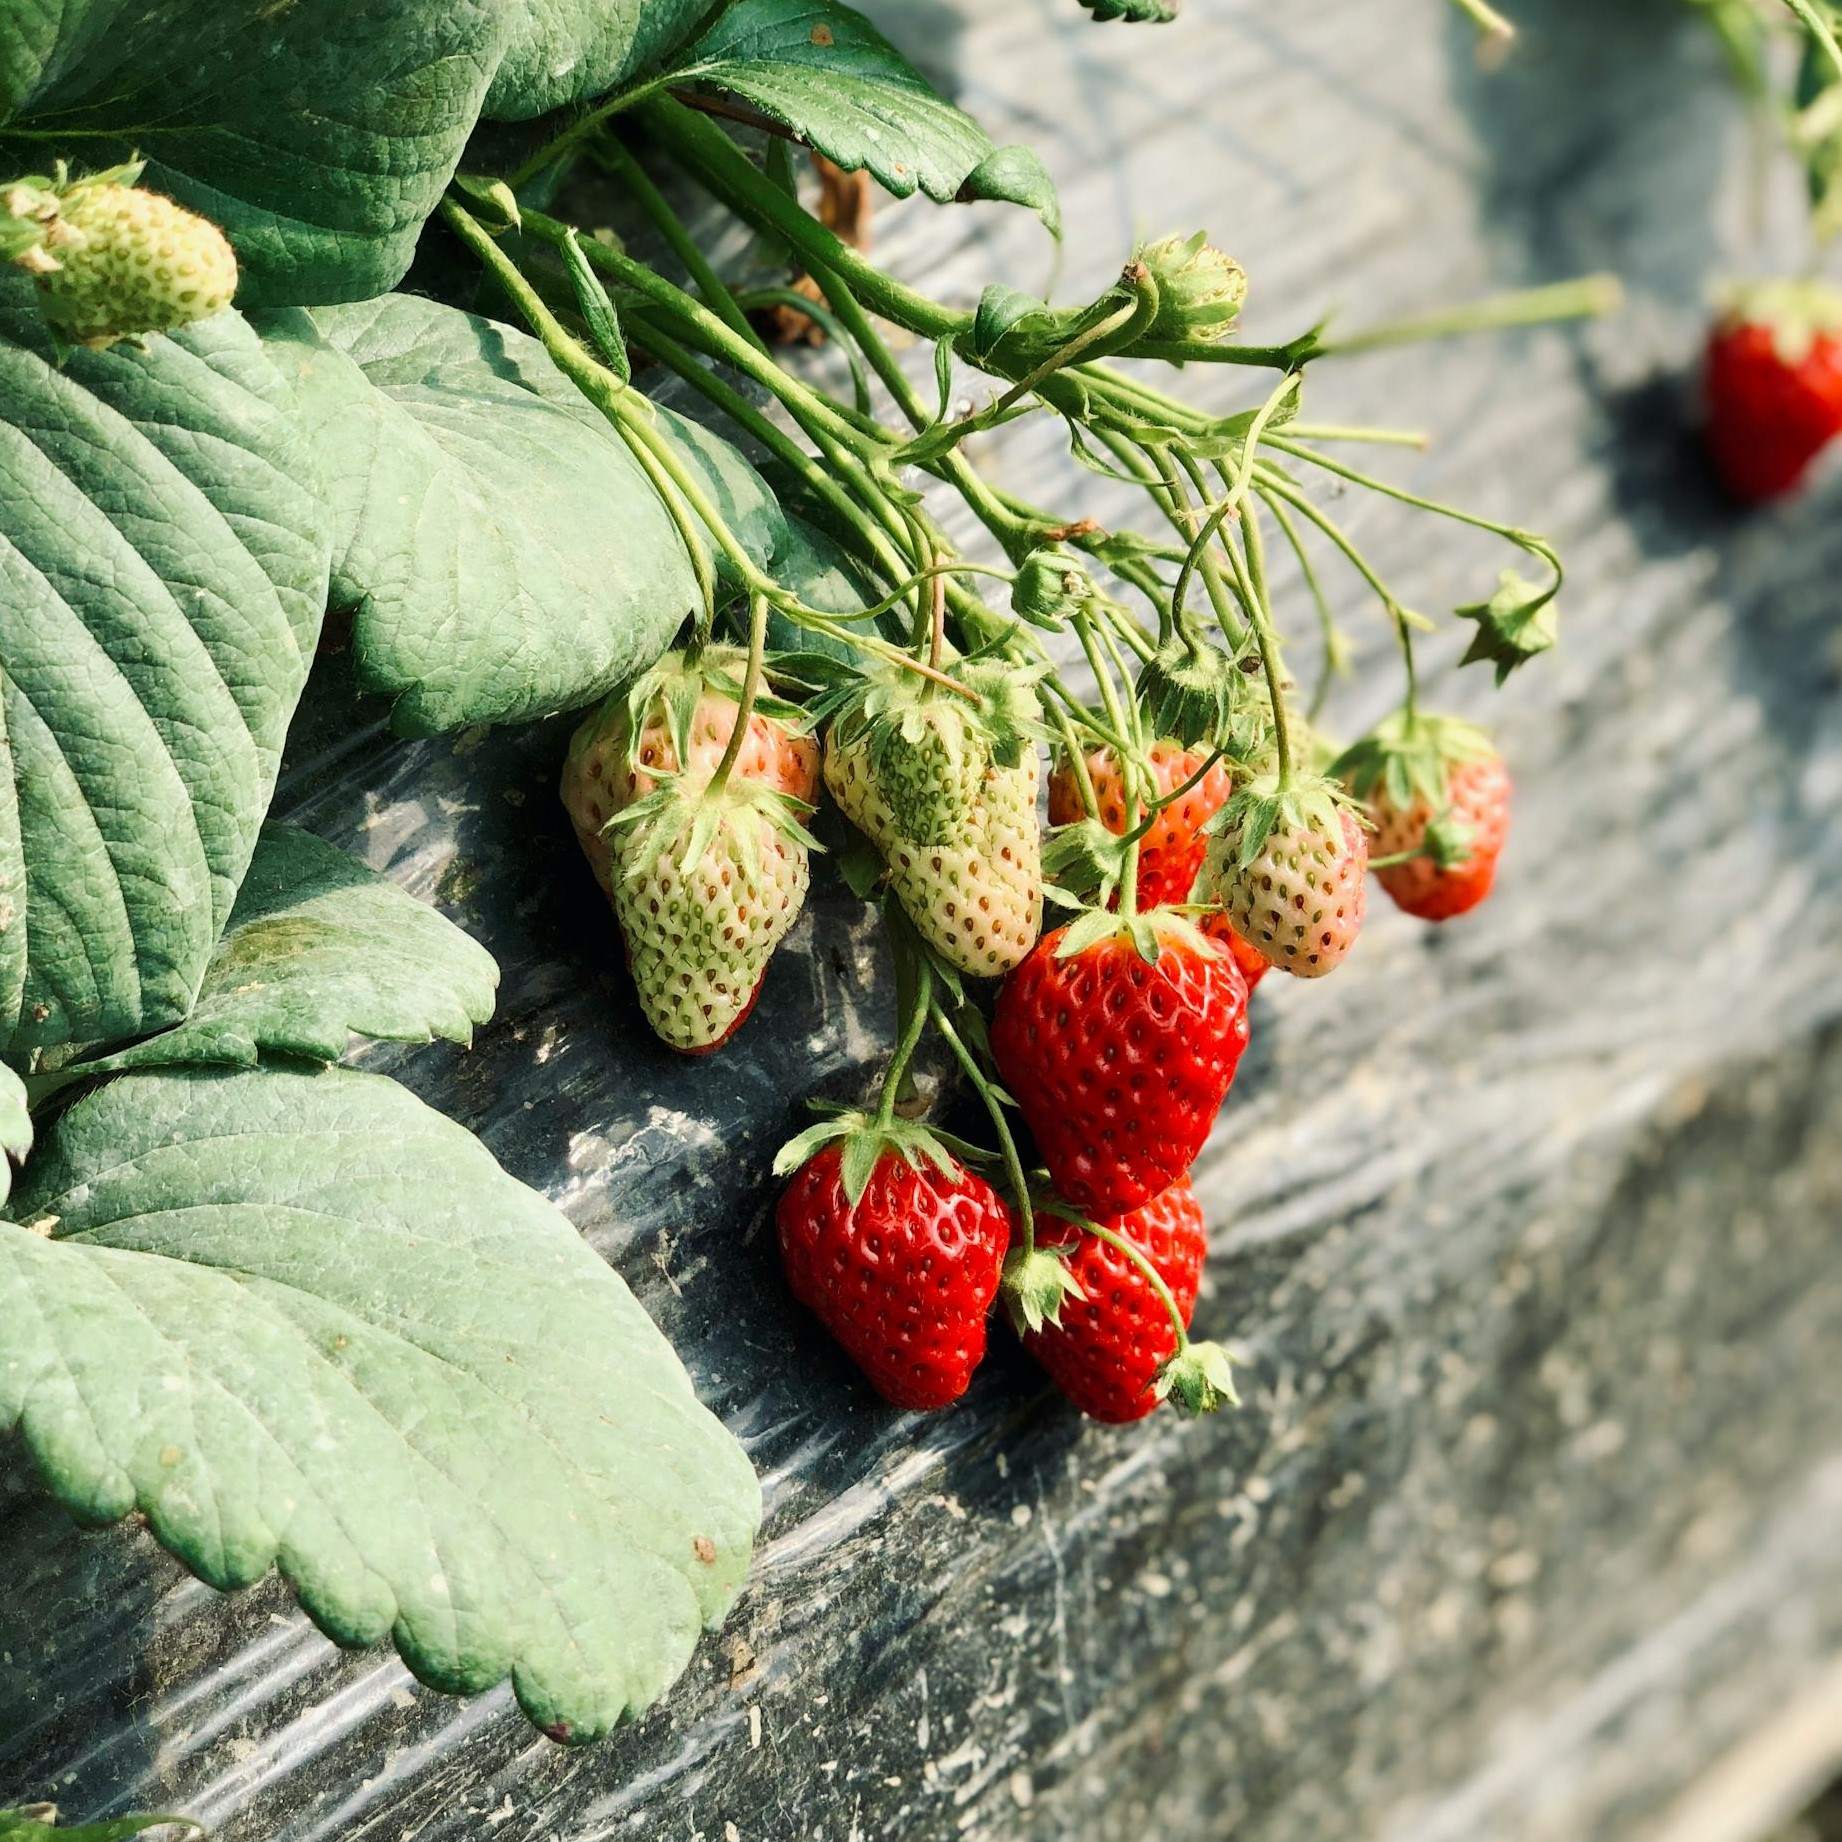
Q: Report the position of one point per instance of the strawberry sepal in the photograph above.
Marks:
(1197, 1379)
(867, 1141)
(1035, 1287)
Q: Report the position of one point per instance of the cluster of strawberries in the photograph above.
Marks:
(1115, 1036)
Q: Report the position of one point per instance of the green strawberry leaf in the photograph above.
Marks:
(319, 949)
(564, 51)
(298, 1319)
(1135, 12)
(1014, 176)
(318, 134)
(163, 566)
(1002, 310)
(1516, 623)
(15, 1126)
(504, 552)
(824, 72)
(38, 1824)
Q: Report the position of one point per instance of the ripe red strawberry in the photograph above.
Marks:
(1119, 1039)
(1435, 787)
(1774, 387)
(1286, 865)
(1171, 851)
(1111, 1352)
(897, 1248)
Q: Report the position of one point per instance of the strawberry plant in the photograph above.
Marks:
(279, 1308)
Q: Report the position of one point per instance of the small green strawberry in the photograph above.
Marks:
(961, 848)
(129, 262)
(706, 885)
(1200, 290)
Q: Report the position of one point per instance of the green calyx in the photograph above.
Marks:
(930, 750)
(1517, 622)
(1198, 1378)
(1798, 313)
(1049, 588)
(1036, 1285)
(31, 207)
(1084, 860)
(672, 688)
(682, 823)
(1149, 934)
(1266, 805)
(1200, 290)
(866, 1141)
(1408, 756)
(1192, 691)
(1447, 841)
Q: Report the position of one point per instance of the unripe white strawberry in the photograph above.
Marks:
(131, 262)
(1287, 869)
(975, 898)
(706, 886)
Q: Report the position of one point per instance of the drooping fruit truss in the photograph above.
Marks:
(1149, 663)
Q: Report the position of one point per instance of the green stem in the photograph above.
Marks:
(813, 414)
(1585, 298)
(872, 542)
(945, 438)
(913, 1023)
(953, 467)
(1126, 756)
(1523, 540)
(1153, 1277)
(713, 158)
(1254, 547)
(1227, 506)
(745, 703)
(1327, 622)
(1378, 438)
(585, 125)
(752, 299)
(1275, 486)
(1486, 18)
(1007, 1145)
(616, 160)
(1819, 28)
(1076, 757)
(609, 395)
